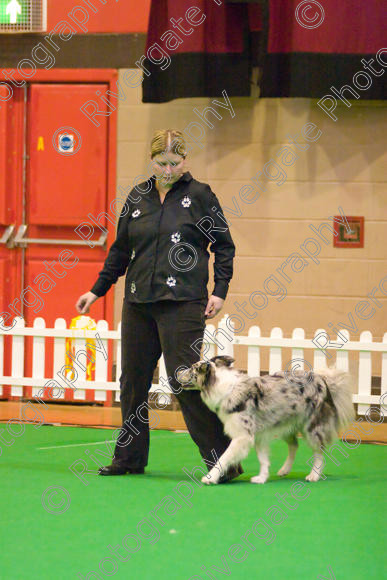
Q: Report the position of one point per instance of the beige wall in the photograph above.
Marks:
(345, 167)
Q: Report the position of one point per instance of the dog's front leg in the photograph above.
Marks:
(263, 458)
(237, 450)
(213, 475)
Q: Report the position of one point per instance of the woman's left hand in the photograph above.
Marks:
(214, 305)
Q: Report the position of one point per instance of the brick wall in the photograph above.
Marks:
(344, 167)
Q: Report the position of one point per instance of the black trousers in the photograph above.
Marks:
(147, 330)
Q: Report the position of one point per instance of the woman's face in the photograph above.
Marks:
(168, 167)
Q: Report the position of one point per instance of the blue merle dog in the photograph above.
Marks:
(254, 410)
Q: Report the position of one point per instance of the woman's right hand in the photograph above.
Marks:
(85, 301)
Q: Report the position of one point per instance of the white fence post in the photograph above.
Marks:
(38, 353)
(18, 358)
(253, 354)
(227, 343)
(163, 387)
(275, 357)
(365, 371)
(319, 358)
(209, 347)
(342, 360)
(297, 353)
(101, 364)
(80, 369)
(59, 353)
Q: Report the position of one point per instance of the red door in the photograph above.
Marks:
(63, 175)
(7, 211)
(11, 150)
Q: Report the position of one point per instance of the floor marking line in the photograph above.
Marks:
(83, 444)
(76, 445)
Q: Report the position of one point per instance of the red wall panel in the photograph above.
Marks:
(122, 16)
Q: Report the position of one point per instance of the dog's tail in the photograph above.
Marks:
(339, 388)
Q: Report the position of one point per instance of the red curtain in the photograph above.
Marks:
(302, 61)
(302, 47)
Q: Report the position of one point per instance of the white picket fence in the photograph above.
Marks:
(217, 341)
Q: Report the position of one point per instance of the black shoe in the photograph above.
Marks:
(117, 469)
(136, 470)
(231, 473)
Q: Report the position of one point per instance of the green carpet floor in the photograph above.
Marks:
(336, 532)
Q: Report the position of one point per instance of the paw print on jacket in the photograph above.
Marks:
(171, 281)
(175, 237)
(186, 201)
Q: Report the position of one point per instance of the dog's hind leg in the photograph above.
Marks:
(263, 458)
(317, 437)
(292, 442)
(317, 468)
(237, 450)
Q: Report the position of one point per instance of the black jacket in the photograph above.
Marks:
(163, 246)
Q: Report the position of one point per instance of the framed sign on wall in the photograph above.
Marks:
(345, 239)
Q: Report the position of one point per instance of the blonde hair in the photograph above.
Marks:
(168, 140)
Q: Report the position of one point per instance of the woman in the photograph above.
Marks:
(163, 233)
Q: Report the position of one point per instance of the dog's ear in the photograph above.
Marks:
(223, 361)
